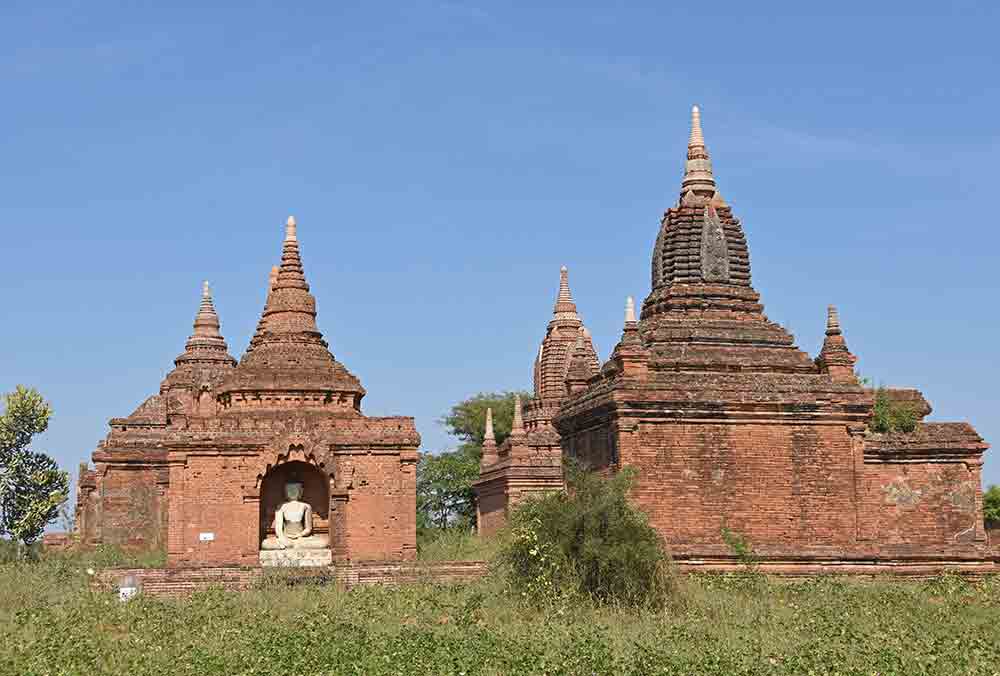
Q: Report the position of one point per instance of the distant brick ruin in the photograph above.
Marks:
(200, 468)
(730, 426)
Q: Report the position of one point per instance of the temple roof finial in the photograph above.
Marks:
(832, 321)
(698, 177)
(205, 344)
(290, 229)
(629, 310)
(489, 436)
(206, 322)
(565, 307)
(272, 278)
(697, 137)
(517, 426)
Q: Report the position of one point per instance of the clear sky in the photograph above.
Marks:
(443, 159)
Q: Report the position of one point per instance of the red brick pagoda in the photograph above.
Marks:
(732, 427)
(530, 459)
(206, 467)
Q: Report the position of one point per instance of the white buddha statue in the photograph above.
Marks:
(293, 524)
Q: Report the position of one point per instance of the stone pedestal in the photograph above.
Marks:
(296, 558)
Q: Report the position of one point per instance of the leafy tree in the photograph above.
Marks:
(444, 480)
(444, 489)
(991, 505)
(32, 487)
(467, 419)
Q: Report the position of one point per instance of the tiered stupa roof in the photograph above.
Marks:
(288, 357)
(205, 360)
(565, 338)
(702, 312)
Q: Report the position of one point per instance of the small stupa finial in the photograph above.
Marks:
(699, 182)
(697, 137)
(564, 294)
(272, 278)
(832, 321)
(565, 307)
(629, 310)
(517, 426)
(489, 436)
(206, 322)
(290, 235)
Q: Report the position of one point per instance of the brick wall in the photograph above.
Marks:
(787, 488)
(922, 509)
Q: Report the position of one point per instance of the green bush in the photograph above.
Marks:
(889, 415)
(991, 505)
(587, 541)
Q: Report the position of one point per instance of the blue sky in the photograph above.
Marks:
(443, 159)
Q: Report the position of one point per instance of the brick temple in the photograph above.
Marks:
(201, 467)
(730, 425)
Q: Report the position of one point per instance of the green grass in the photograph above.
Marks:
(456, 545)
(52, 623)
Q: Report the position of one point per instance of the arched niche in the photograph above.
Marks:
(316, 492)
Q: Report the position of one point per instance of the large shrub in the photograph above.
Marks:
(587, 540)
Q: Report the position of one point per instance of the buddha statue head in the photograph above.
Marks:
(293, 490)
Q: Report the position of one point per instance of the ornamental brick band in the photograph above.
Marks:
(731, 426)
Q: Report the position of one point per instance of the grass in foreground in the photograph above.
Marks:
(51, 623)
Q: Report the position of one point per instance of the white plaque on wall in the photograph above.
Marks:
(206, 537)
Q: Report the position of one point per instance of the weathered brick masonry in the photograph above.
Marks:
(200, 467)
(733, 427)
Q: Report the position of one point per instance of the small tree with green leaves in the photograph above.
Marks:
(32, 487)
(991, 506)
(444, 480)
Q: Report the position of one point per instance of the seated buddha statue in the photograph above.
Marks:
(293, 523)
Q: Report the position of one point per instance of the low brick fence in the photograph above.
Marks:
(185, 580)
(173, 582)
(914, 570)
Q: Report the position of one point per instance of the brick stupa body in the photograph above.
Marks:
(731, 427)
(201, 467)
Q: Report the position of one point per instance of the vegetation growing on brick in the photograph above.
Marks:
(890, 415)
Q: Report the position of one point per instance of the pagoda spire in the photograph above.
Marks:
(629, 311)
(206, 342)
(206, 322)
(832, 322)
(699, 181)
(289, 317)
(835, 358)
(489, 442)
(517, 425)
(565, 308)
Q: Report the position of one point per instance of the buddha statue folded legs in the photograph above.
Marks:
(293, 524)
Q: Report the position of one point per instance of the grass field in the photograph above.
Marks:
(52, 623)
